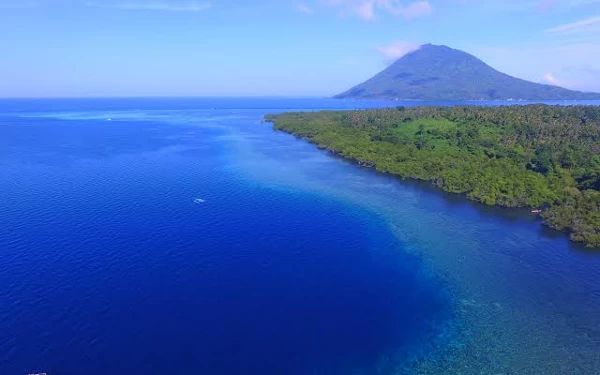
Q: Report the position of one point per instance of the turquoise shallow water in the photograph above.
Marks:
(296, 262)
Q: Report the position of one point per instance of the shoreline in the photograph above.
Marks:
(428, 184)
(329, 136)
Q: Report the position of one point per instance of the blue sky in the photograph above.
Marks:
(75, 48)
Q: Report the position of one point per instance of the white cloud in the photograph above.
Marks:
(584, 25)
(413, 10)
(576, 84)
(164, 6)
(396, 50)
(366, 11)
(569, 65)
(551, 79)
(369, 9)
(303, 8)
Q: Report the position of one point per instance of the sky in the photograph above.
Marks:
(115, 48)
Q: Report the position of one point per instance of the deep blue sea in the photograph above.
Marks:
(174, 236)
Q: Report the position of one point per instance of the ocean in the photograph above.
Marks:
(168, 236)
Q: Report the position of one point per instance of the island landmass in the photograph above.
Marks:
(539, 156)
(442, 73)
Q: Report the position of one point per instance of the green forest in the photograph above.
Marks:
(538, 156)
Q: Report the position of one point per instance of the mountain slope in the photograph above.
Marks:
(442, 73)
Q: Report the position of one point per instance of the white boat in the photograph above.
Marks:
(199, 201)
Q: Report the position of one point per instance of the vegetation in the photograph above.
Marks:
(443, 73)
(535, 156)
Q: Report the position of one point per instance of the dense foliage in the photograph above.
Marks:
(443, 73)
(537, 156)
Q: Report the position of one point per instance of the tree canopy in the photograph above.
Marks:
(535, 156)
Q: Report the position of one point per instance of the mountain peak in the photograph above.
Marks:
(434, 46)
(438, 72)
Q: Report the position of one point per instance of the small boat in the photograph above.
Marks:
(199, 201)
(536, 211)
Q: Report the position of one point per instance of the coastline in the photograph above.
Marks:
(549, 213)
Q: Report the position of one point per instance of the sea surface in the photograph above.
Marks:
(176, 236)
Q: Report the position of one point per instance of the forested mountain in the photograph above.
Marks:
(442, 73)
(535, 156)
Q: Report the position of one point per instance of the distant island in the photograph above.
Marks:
(442, 73)
(538, 156)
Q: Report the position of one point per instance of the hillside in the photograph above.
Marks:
(442, 73)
